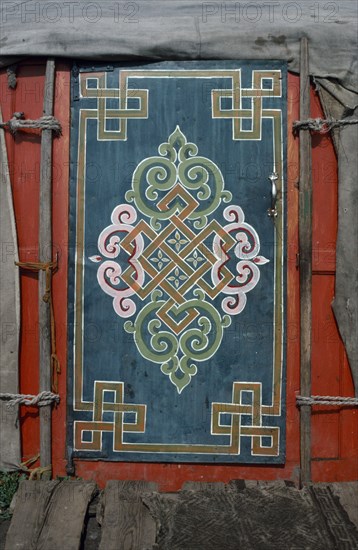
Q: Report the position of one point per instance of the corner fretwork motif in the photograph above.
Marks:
(241, 105)
(129, 418)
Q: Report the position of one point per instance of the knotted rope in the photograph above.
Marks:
(48, 267)
(34, 473)
(326, 400)
(320, 125)
(40, 400)
(24, 466)
(46, 122)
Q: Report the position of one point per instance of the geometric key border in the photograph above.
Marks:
(128, 417)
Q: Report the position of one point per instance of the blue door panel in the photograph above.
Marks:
(177, 263)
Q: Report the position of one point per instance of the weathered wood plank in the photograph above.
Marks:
(305, 240)
(32, 500)
(45, 255)
(64, 520)
(127, 522)
(208, 487)
(10, 452)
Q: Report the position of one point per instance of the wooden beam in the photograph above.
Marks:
(65, 516)
(305, 240)
(45, 255)
(10, 447)
(126, 521)
(31, 503)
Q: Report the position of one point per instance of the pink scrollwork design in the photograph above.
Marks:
(109, 272)
(108, 276)
(246, 250)
(123, 216)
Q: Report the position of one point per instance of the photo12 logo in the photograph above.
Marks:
(269, 12)
(69, 12)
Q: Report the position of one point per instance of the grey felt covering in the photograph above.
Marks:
(346, 292)
(181, 29)
(346, 295)
(9, 315)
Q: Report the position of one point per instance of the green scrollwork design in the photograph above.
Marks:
(200, 173)
(178, 163)
(176, 354)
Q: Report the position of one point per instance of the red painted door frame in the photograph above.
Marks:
(334, 431)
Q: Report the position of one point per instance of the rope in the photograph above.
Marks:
(17, 122)
(48, 267)
(33, 473)
(41, 266)
(326, 400)
(36, 473)
(24, 465)
(40, 400)
(320, 125)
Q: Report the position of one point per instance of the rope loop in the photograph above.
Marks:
(34, 473)
(42, 399)
(37, 473)
(322, 126)
(18, 122)
(326, 400)
(49, 268)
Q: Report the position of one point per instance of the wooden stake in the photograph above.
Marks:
(45, 255)
(10, 445)
(305, 239)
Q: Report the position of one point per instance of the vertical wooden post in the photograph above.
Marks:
(10, 446)
(45, 255)
(305, 239)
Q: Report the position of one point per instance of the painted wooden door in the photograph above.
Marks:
(177, 261)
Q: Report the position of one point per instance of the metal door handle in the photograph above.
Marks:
(272, 212)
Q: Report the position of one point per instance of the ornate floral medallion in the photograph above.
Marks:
(165, 271)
